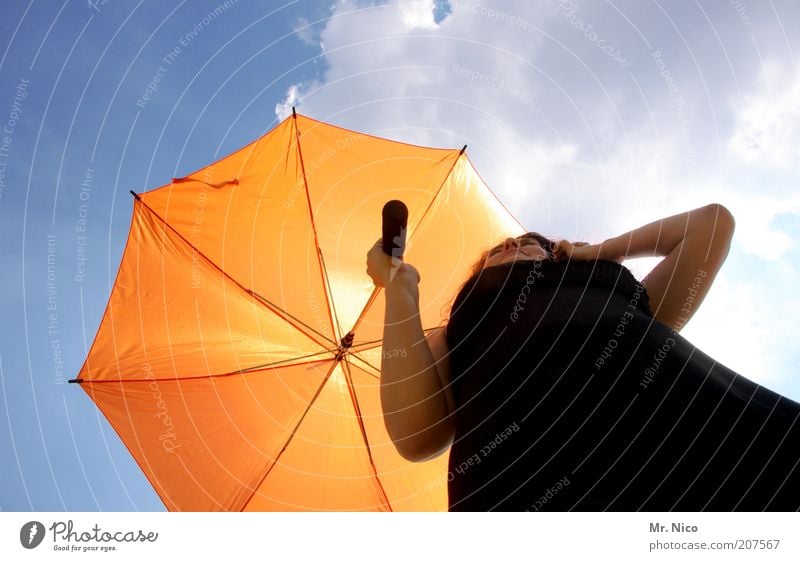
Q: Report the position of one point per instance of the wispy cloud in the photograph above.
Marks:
(284, 108)
(767, 131)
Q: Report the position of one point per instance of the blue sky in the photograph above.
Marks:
(587, 119)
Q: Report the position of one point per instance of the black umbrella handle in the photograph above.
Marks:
(395, 221)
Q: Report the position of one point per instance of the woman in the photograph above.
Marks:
(561, 383)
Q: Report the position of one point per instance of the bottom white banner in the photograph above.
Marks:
(398, 536)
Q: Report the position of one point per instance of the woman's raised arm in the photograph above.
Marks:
(415, 401)
(694, 245)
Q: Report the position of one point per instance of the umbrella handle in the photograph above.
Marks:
(395, 220)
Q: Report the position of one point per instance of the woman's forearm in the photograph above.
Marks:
(413, 402)
(660, 237)
(694, 245)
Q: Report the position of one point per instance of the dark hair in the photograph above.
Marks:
(477, 268)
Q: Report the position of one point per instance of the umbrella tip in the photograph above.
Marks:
(294, 113)
(463, 149)
(135, 196)
(75, 381)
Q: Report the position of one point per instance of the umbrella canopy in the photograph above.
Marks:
(239, 355)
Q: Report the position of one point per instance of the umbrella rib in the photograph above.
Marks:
(352, 391)
(326, 282)
(365, 345)
(374, 295)
(226, 374)
(272, 364)
(272, 307)
(370, 344)
(433, 199)
(278, 309)
(291, 436)
(376, 376)
(366, 308)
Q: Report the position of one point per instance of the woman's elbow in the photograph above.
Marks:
(421, 454)
(721, 219)
(426, 446)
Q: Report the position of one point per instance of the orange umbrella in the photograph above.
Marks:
(239, 355)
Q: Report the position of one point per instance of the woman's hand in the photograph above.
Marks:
(579, 251)
(384, 269)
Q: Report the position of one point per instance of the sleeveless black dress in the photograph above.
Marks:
(571, 396)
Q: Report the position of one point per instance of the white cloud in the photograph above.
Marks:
(284, 108)
(305, 32)
(417, 14)
(440, 90)
(744, 325)
(742, 344)
(767, 134)
(755, 229)
(766, 139)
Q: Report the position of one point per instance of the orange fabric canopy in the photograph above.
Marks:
(218, 359)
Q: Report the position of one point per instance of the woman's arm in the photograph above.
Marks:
(694, 245)
(415, 401)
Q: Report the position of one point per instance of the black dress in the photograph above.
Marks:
(571, 396)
